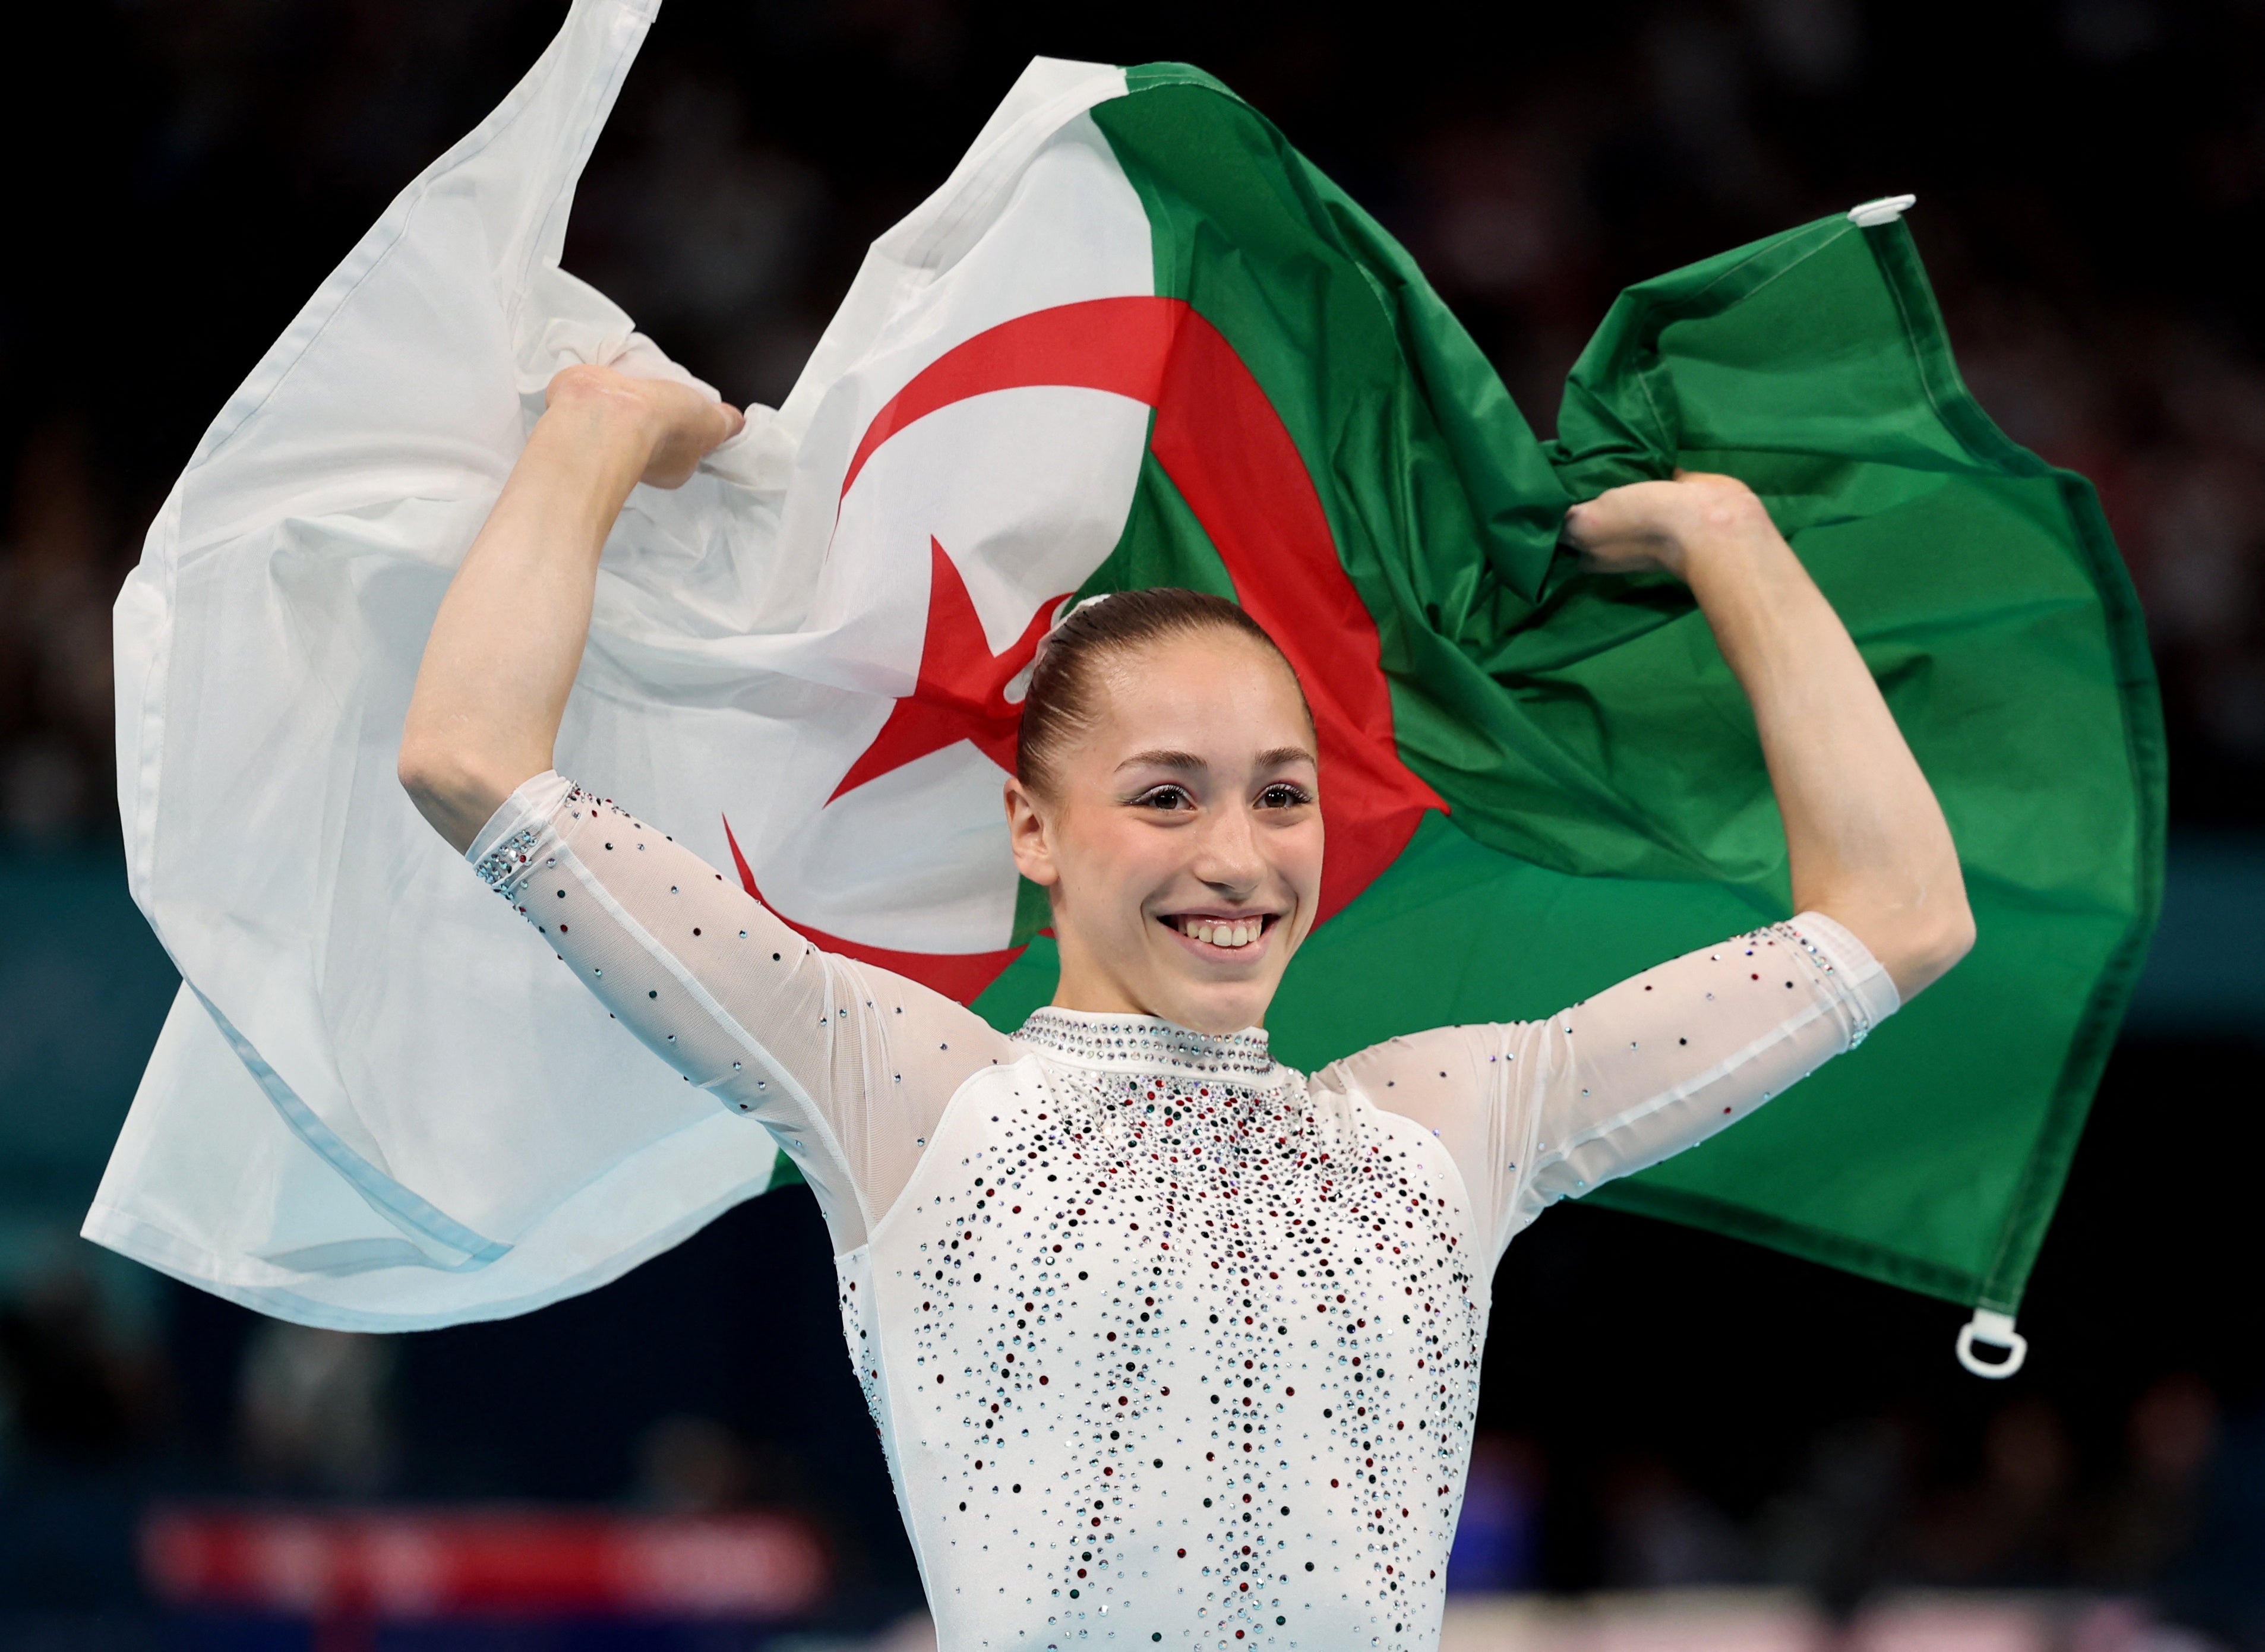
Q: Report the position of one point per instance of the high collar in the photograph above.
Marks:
(1148, 1044)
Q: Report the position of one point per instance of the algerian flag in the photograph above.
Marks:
(1134, 340)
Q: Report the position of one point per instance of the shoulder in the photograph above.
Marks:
(1415, 1068)
(922, 1020)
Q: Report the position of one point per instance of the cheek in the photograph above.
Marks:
(1300, 857)
(1119, 860)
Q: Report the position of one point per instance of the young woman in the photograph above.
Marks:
(1168, 1344)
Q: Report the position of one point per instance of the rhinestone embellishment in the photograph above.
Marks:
(505, 867)
(1185, 1354)
(1853, 1002)
(1145, 1043)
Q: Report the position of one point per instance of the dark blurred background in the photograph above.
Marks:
(1722, 1445)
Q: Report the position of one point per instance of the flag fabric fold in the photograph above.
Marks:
(1133, 340)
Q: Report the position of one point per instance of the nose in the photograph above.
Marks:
(1228, 857)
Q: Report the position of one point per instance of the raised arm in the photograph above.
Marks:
(1865, 839)
(509, 636)
(848, 1067)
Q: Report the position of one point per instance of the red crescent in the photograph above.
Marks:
(1226, 449)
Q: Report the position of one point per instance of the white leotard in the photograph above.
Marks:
(1166, 1344)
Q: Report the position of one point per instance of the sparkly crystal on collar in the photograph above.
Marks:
(1148, 1044)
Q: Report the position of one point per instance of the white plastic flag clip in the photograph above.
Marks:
(1871, 213)
(1992, 1329)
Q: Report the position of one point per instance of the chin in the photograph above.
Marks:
(1219, 1007)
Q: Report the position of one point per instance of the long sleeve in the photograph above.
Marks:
(848, 1065)
(1534, 1112)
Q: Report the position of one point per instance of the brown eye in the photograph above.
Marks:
(1173, 798)
(1283, 794)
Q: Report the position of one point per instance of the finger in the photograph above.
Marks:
(1603, 516)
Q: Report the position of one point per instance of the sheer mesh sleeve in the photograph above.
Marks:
(848, 1065)
(1533, 1111)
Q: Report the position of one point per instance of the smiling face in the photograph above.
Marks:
(1179, 835)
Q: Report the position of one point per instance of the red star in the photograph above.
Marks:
(961, 693)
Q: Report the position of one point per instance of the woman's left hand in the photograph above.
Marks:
(1647, 525)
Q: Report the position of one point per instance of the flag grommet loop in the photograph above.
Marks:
(1992, 1329)
(1871, 213)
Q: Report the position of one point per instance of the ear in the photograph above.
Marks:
(1027, 833)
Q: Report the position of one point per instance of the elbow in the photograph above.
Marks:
(1951, 939)
(430, 775)
(456, 797)
(1916, 941)
(1932, 948)
(422, 773)
(1960, 941)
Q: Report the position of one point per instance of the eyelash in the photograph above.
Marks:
(1281, 795)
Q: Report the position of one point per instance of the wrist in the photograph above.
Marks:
(597, 407)
(1724, 555)
(1729, 539)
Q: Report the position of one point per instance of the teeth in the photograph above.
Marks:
(1228, 935)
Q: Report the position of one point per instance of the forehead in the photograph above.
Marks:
(1214, 690)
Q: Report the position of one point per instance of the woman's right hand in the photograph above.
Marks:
(677, 425)
(511, 630)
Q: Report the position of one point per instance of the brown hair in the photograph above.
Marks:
(1059, 703)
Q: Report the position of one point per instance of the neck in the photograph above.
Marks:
(1088, 987)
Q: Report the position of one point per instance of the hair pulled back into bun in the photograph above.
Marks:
(1060, 705)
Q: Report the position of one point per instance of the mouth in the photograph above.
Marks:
(1222, 935)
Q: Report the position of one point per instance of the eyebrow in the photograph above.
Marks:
(1188, 763)
(1282, 754)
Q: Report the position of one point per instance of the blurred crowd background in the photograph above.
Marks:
(1664, 1410)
